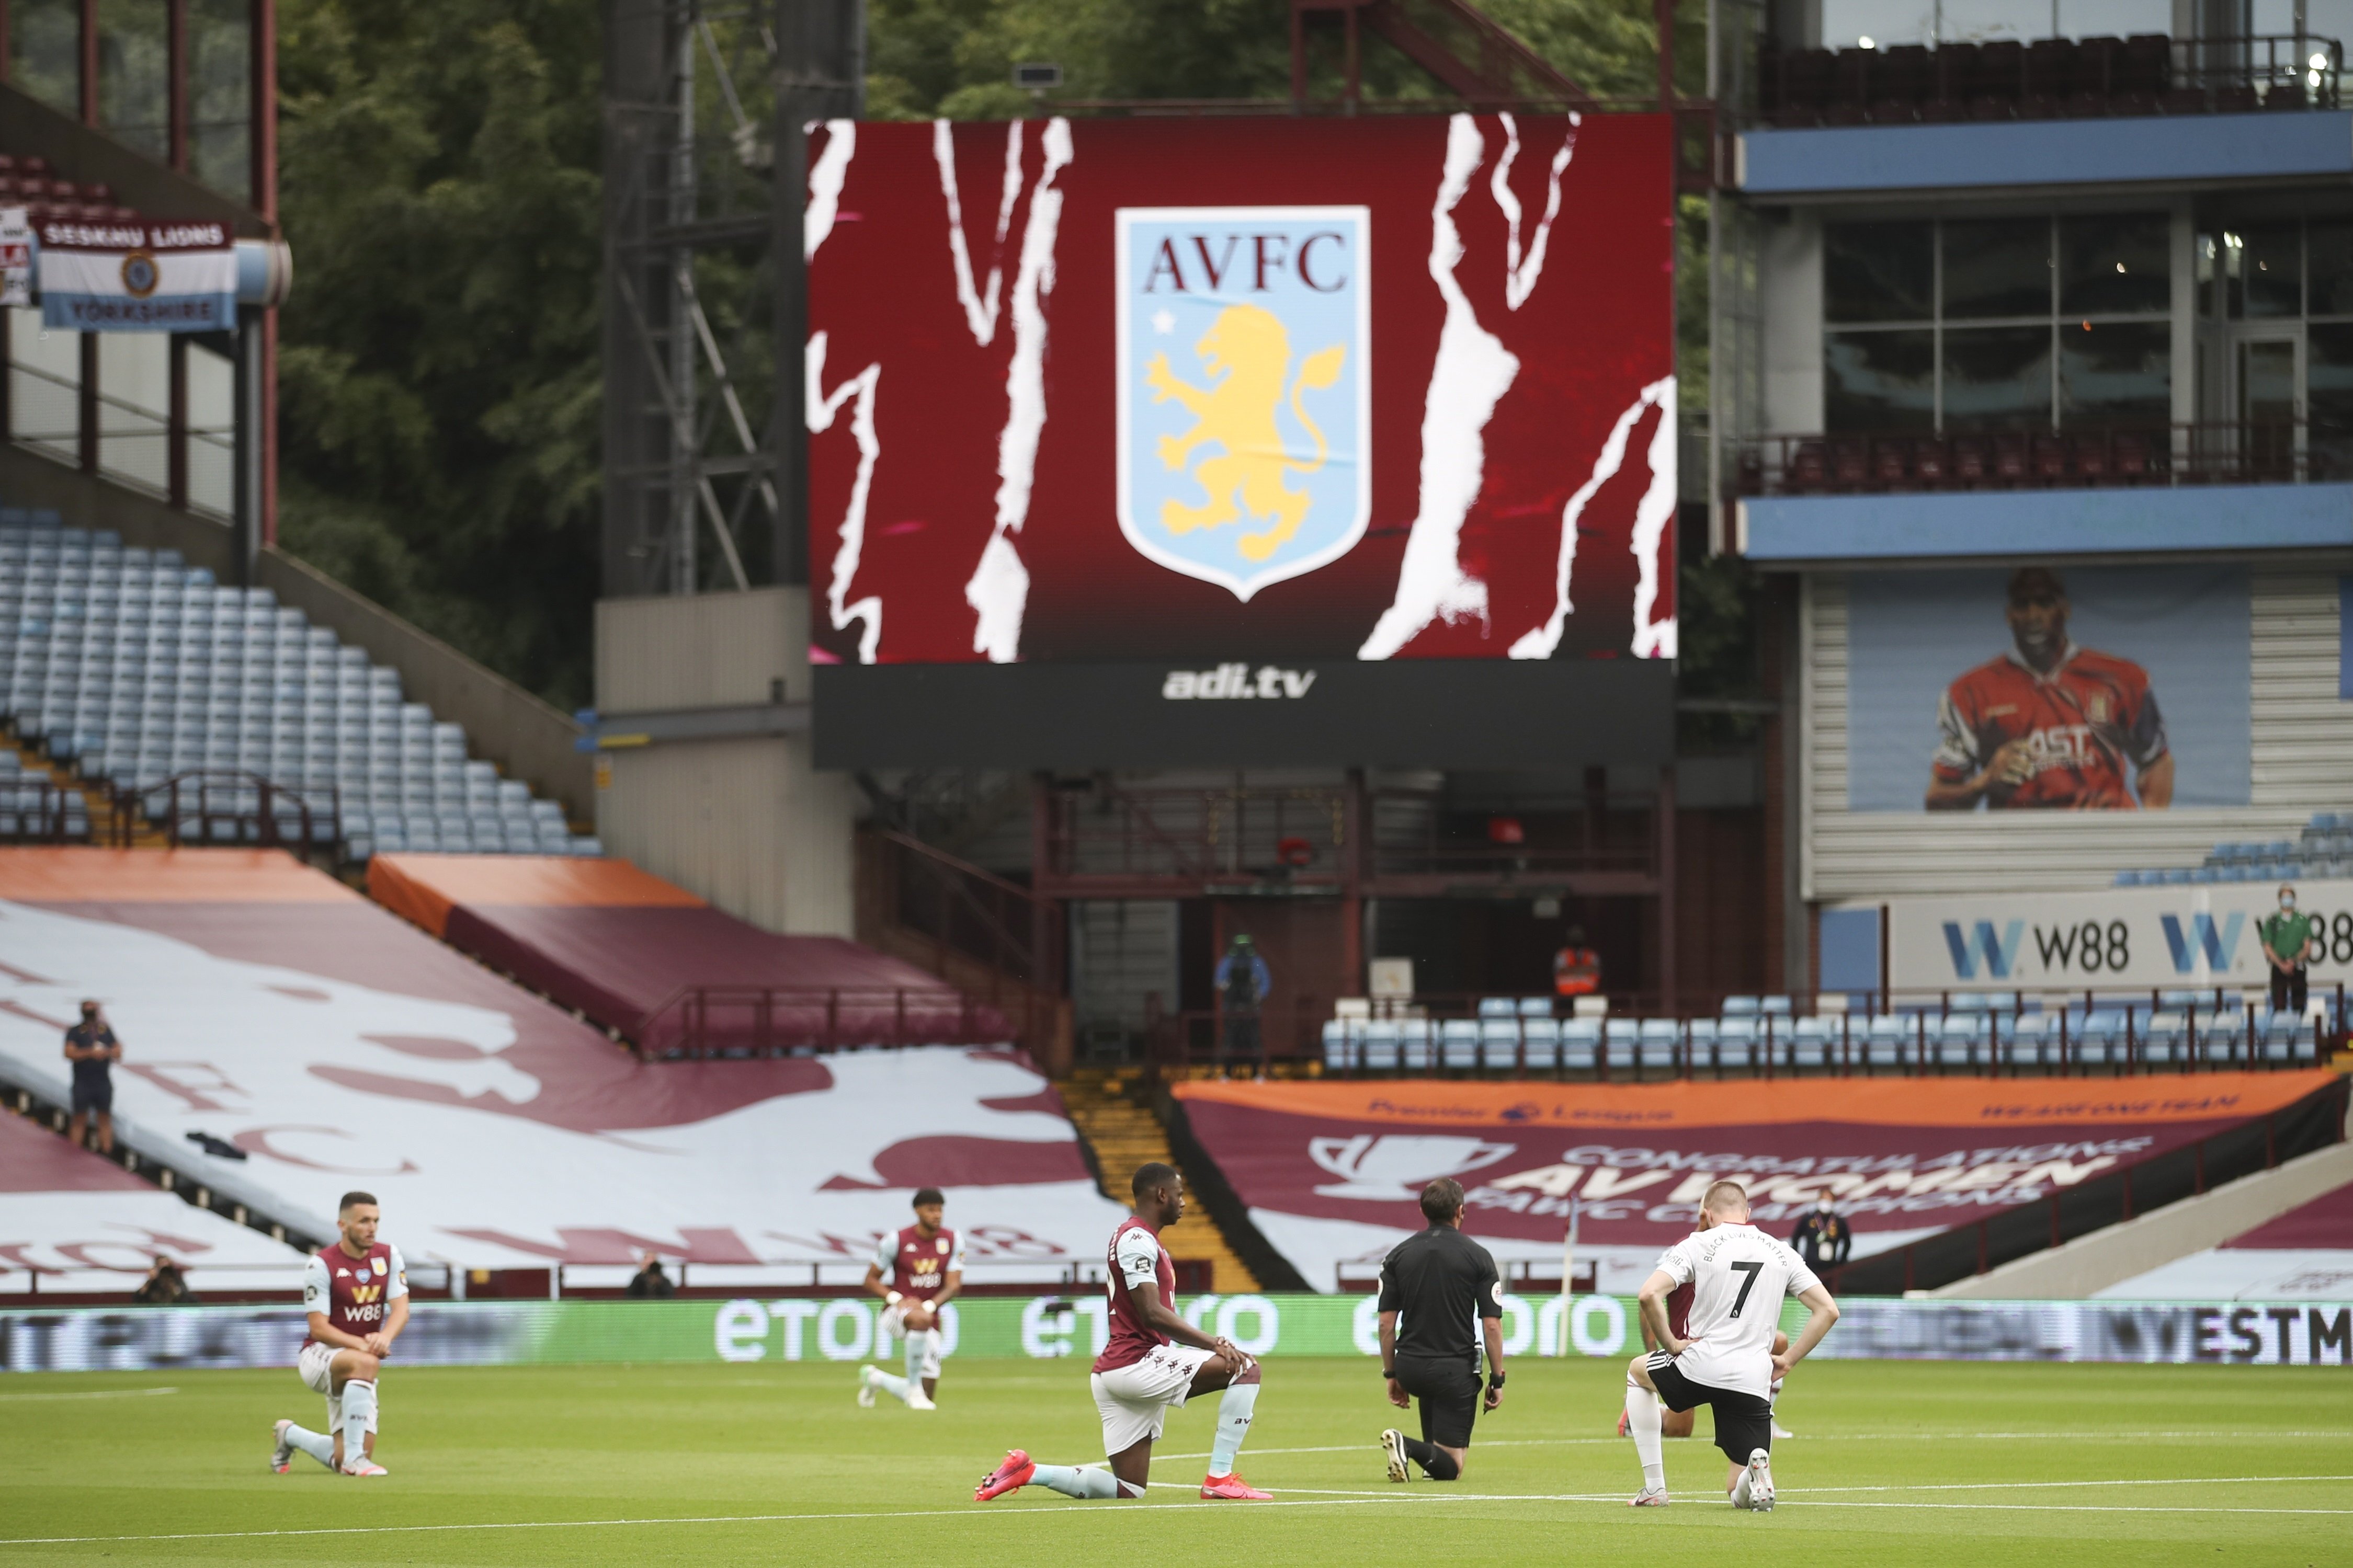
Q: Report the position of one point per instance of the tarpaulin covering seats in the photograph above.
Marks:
(651, 962)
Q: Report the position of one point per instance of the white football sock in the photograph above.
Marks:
(1740, 1488)
(318, 1445)
(1643, 1423)
(359, 1410)
(917, 1345)
(1233, 1426)
(1090, 1481)
(889, 1383)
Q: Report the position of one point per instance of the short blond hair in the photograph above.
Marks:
(1725, 1197)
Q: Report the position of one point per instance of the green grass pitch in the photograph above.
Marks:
(1893, 1463)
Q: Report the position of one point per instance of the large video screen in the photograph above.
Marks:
(2034, 688)
(1147, 422)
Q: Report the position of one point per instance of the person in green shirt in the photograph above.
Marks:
(2288, 939)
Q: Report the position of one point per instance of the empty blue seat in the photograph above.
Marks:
(1414, 1044)
(1339, 1051)
(1540, 1044)
(1380, 1047)
(1499, 1044)
(1498, 1007)
(1580, 1043)
(1740, 1006)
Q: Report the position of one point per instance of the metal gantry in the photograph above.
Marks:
(707, 107)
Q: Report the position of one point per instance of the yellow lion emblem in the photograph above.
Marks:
(1247, 351)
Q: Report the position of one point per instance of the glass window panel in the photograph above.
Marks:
(45, 51)
(1879, 272)
(2328, 261)
(2116, 373)
(135, 75)
(1846, 23)
(1978, 21)
(2270, 281)
(220, 95)
(1880, 380)
(2116, 266)
(1998, 378)
(2114, 19)
(2328, 395)
(1998, 267)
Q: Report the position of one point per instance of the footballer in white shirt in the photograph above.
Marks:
(1738, 1277)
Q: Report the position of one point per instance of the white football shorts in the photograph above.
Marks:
(316, 1363)
(1135, 1399)
(894, 1323)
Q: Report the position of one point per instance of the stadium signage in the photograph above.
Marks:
(1236, 682)
(842, 1330)
(2171, 936)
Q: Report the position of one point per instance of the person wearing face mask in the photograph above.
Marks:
(92, 1049)
(1823, 1238)
(2288, 939)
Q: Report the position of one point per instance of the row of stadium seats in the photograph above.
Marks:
(2101, 1037)
(134, 667)
(2324, 851)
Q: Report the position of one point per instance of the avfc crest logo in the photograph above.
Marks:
(1245, 388)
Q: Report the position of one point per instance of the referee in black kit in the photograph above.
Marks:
(1442, 1282)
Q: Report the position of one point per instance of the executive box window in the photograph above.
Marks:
(1966, 326)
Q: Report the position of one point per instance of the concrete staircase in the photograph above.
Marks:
(1124, 1134)
(103, 826)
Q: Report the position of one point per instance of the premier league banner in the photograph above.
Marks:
(1159, 397)
(138, 276)
(844, 1332)
(1331, 1170)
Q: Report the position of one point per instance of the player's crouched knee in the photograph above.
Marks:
(1237, 1372)
(359, 1365)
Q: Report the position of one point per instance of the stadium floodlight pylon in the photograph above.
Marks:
(705, 106)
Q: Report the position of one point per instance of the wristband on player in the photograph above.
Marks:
(1494, 1379)
(892, 1298)
(1389, 1372)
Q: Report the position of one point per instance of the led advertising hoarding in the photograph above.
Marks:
(1242, 440)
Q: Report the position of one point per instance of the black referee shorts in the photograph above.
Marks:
(1744, 1422)
(1448, 1392)
(93, 1094)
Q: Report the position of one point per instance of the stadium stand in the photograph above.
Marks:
(2044, 78)
(267, 1005)
(657, 966)
(2305, 1253)
(27, 181)
(76, 1224)
(2324, 851)
(134, 669)
(1946, 1033)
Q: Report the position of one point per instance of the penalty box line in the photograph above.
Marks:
(1315, 1498)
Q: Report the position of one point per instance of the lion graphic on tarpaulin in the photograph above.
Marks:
(1248, 351)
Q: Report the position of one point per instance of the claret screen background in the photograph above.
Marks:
(1464, 415)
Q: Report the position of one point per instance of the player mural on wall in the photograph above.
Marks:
(2050, 723)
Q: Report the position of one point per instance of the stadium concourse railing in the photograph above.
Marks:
(199, 805)
(701, 1022)
(1626, 1037)
(2285, 451)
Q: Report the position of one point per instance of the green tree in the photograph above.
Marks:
(439, 364)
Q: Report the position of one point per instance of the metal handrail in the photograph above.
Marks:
(135, 801)
(805, 1019)
(2283, 451)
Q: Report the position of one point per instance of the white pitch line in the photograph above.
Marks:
(96, 1393)
(2022, 1486)
(1317, 1498)
(2237, 1433)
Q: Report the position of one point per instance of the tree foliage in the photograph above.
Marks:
(438, 368)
